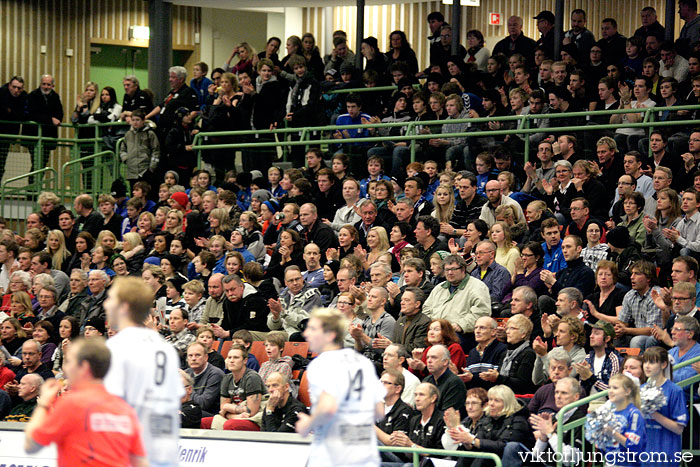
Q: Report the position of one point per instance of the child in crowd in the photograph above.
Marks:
(205, 336)
(245, 338)
(665, 426)
(141, 149)
(431, 168)
(631, 439)
(484, 166)
(375, 168)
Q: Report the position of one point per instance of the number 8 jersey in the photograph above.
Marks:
(144, 372)
(348, 439)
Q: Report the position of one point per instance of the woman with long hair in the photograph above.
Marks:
(293, 47)
(348, 239)
(527, 270)
(68, 330)
(668, 216)
(173, 221)
(506, 253)
(400, 51)
(133, 251)
(377, 244)
(56, 247)
(375, 59)
(245, 54)
(220, 222)
(12, 336)
(506, 213)
(84, 243)
(289, 253)
(587, 185)
(440, 332)
(444, 202)
(87, 104)
(21, 307)
(252, 234)
(314, 62)
(108, 109)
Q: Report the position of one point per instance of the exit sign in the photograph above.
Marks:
(495, 19)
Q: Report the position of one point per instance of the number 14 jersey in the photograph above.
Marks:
(144, 372)
(349, 438)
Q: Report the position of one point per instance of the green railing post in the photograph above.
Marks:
(526, 126)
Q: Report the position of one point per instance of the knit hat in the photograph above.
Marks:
(244, 179)
(118, 188)
(180, 198)
(273, 205)
(262, 195)
(347, 67)
(403, 83)
(175, 175)
(154, 260)
(177, 282)
(334, 265)
(442, 254)
(435, 78)
(619, 237)
(255, 174)
(174, 260)
(96, 322)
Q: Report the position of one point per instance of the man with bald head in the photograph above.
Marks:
(516, 42)
(28, 392)
(378, 324)
(315, 231)
(282, 411)
(214, 306)
(313, 276)
(31, 363)
(484, 361)
(495, 199)
(452, 391)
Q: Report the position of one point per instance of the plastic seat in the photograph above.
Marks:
(258, 349)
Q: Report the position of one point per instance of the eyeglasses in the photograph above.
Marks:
(389, 383)
(526, 255)
(680, 299)
(452, 269)
(678, 329)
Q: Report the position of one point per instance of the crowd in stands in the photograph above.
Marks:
(489, 292)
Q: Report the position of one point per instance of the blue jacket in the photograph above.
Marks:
(553, 259)
(612, 365)
(201, 89)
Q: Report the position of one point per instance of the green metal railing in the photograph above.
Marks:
(417, 452)
(568, 429)
(522, 127)
(16, 202)
(97, 171)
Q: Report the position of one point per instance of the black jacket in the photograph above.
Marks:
(428, 435)
(495, 432)
(190, 415)
(268, 105)
(520, 376)
(183, 97)
(41, 110)
(398, 418)
(575, 274)
(250, 312)
(283, 419)
(320, 234)
(140, 100)
(452, 391)
(464, 213)
(12, 109)
(175, 142)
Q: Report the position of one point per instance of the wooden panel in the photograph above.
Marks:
(60, 25)
(411, 18)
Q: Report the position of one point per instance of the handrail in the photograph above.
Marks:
(378, 139)
(63, 182)
(441, 452)
(562, 427)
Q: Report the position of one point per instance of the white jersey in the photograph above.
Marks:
(349, 438)
(144, 372)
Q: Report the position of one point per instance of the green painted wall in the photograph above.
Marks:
(108, 67)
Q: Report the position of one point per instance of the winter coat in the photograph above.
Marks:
(140, 151)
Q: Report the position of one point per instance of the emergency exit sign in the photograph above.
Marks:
(495, 19)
